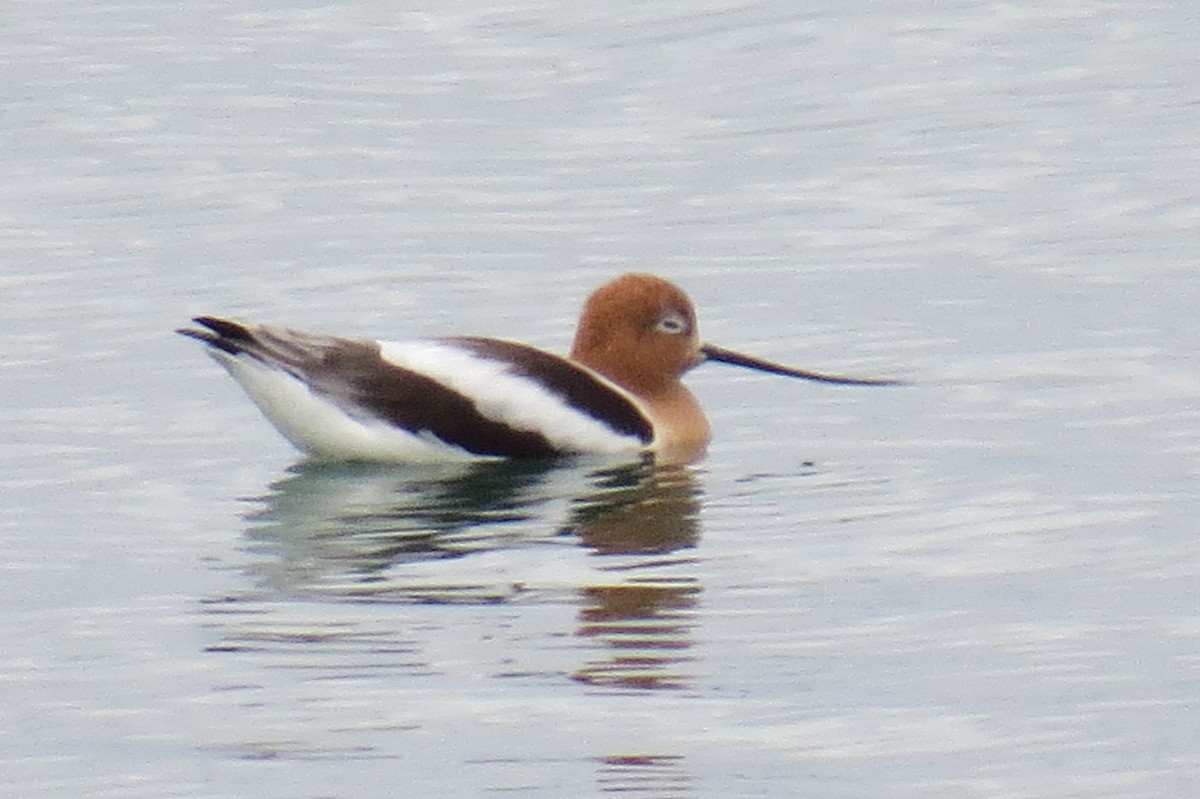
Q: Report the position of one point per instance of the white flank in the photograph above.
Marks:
(317, 426)
(514, 400)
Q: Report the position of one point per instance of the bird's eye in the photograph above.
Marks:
(672, 323)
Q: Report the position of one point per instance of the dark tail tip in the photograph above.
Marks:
(222, 334)
(225, 328)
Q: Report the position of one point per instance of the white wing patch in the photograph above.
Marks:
(516, 401)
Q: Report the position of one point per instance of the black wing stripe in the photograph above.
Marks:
(352, 373)
(575, 385)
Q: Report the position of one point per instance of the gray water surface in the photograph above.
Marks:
(982, 584)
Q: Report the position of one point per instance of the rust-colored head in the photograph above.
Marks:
(640, 332)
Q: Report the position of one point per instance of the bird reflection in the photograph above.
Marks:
(404, 534)
(643, 509)
(646, 630)
(343, 528)
(659, 775)
(645, 619)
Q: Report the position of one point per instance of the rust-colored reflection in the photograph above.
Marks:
(645, 630)
(646, 509)
(660, 776)
(644, 622)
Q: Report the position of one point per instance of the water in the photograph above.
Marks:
(982, 584)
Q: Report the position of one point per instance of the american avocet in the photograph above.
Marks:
(619, 391)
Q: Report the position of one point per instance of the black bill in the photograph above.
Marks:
(722, 355)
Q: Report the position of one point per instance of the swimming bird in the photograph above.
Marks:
(619, 391)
